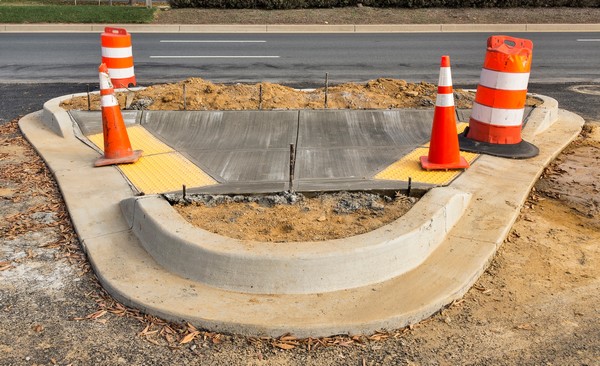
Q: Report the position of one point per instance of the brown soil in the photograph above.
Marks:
(328, 216)
(367, 15)
(204, 95)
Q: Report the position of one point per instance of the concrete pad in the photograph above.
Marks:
(345, 163)
(242, 146)
(92, 195)
(363, 128)
(498, 188)
(347, 144)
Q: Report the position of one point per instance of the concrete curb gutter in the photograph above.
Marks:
(294, 268)
(497, 189)
(298, 28)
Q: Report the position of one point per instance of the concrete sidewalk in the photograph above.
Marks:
(150, 258)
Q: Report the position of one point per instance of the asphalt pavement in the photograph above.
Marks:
(291, 57)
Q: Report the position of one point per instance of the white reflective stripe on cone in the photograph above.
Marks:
(105, 82)
(504, 80)
(497, 116)
(120, 52)
(445, 77)
(444, 100)
(121, 73)
(108, 101)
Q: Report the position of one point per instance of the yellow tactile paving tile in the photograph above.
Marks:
(165, 173)
(161, 169)
(140, 139)
(410, 166)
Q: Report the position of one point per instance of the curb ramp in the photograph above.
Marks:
(466, 221)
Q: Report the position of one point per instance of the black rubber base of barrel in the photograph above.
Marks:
(522, 150)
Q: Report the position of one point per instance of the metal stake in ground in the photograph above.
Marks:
(326, 87)
(88, 96)
(184, 99)
(260, 96)
(292, 166)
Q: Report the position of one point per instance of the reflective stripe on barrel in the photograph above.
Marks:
(118, 56)
(499, 104)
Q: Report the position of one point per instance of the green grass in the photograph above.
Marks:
(74, 14)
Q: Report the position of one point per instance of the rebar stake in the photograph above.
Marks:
(184, 192)
(409, 187)
(260, 96)
(88, 96)
(326, 87)
(184, 99)
(292, 166)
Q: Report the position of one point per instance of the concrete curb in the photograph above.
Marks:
(498, 188)
(299, 28)
(294, 268)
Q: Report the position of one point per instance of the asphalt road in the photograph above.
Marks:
(35, 67)
(300, 59)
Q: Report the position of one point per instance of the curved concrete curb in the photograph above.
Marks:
(299, 28)
(498, 189)
(294, 268)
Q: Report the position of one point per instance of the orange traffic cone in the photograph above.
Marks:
(443, 147)
(117, 148)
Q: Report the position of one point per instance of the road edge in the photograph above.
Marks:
(299, 28)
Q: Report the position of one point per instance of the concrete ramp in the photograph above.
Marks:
(346, 145)
(253, 146)
(249, 151)
(232, 146)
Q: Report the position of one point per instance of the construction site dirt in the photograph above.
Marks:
(536, 304)
(199, 94)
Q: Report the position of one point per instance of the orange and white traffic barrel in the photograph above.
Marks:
(497, 116)
(118, 56)
(117, 147)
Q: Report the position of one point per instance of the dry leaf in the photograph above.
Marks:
(38, 328)
(191, 328)
(284, 346)
(96, 315)
(189, 337)
(143, 332)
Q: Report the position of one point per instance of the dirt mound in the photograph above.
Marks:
(201, 94)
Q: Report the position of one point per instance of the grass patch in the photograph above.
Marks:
(75, 14)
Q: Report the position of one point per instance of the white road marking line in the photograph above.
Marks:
(214, 56)
(588, 40)
(207, 41)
